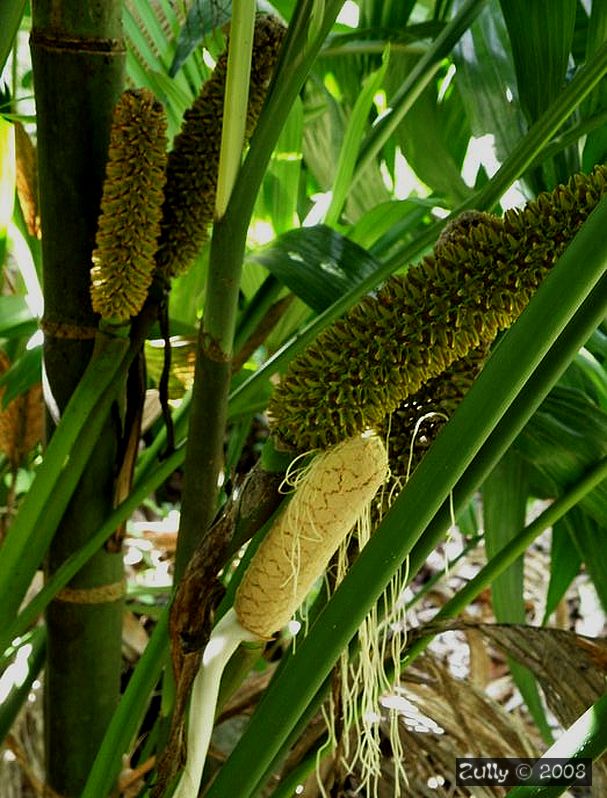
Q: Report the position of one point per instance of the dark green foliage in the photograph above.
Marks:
(194, 161)
(479, 279)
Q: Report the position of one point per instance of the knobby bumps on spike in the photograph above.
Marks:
(480, 277)
(194, 161)
(131, 207)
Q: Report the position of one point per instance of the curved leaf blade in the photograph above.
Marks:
(317, 264)
(541, 34)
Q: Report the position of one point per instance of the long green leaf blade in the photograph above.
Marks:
(352, 139)
(10, 19)
(541, 34)
(317, 264)
(66, 456)
(587, 737)
(504, 506)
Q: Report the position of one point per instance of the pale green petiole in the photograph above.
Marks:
(224, 640)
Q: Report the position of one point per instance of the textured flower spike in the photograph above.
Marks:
(478, 281)
(131, 207)
(331, 495)
(194, 161)
(338, 486)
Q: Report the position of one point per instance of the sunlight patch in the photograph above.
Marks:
(349, 14)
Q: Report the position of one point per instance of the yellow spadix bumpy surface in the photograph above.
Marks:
(131, 207)
(335, 490)
(477, 282)
(194, 160)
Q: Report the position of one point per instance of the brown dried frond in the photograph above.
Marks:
(27, 179)
(21, 422)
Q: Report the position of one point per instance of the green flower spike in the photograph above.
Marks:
(131, 207)
(194, 161)
(482, 274)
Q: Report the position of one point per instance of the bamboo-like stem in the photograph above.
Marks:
(204, 455)
(126, 719)
(70, 567)
(65, 459)
(78, 62)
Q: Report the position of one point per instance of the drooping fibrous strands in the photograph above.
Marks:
(131, 207)
(194, 161)
(336, 488)
(361, 681)
(482, 274)
(416, 422)
(331, 493)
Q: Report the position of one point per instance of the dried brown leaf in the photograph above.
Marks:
(21, 422)
(27, 179)
(570, 669)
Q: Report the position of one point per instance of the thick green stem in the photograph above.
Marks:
(78, 62)
(56, 478)
(204, 455)
(75, 562)
(127, 717)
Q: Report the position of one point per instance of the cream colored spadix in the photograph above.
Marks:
(330, 496)
(337, 488)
